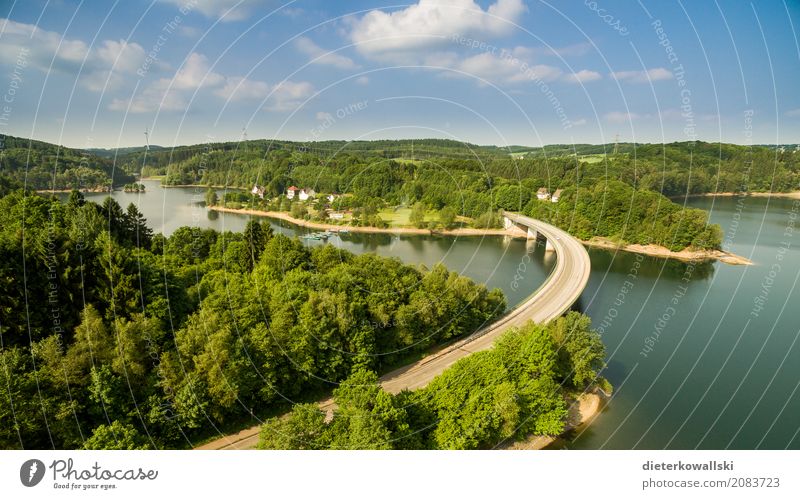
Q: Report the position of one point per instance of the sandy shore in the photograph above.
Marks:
(371, 230)
(662, 252)
(651, 249)
(581, 411)
(792, 195)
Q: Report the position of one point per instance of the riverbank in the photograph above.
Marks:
(581, 412)
(650, 249)
(662, 252)
(67, 191)
(790, 195)
(370, 230)
(199, 186)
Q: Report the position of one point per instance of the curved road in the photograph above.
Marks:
(553, 298)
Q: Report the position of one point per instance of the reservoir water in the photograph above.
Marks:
(700, 355)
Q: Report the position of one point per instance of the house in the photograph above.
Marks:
(542, 194)
(336, 215)
(290, 192)
(331, 197)
(258, 191)
(306, 194)
(556, 196)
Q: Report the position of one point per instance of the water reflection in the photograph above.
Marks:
(649, 266)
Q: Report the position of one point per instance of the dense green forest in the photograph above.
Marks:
(119, 338)
(674, 169)
(514, 390)
(616, 192)
(42, 166)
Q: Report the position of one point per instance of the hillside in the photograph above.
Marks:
(42, 166)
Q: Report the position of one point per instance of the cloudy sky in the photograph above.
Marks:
(98, 73)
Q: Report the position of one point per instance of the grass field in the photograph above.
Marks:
(400, 216)
(593, 158)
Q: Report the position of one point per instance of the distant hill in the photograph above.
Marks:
(42, 166)
(120, 151)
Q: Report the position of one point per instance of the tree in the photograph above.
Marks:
(137, 231)
(447, 217)
(116, 436)
(581, 353)
(303, 429)
(366, 416)
(256, 235)
(417, 216)
(211, 197)
(76, 199)
(115, 219)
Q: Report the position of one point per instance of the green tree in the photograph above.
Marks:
(137, 231)
(447, 217)
(211, 197)
(417, 216)
(116, 436)
(303, 429)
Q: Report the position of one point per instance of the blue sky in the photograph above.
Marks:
(98, 73)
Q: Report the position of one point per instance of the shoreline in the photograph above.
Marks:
(790, 195)
(582, 411)
(662, 252)
(369, 230)
(67, 191)
(650, 250)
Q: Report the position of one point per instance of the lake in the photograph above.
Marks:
(700, 355)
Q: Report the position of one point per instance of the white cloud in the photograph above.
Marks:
(507, 70)
(151, 99)
(42, 47)
(619, 117)
(194, 73)
(321, 56)
(167, 94)
(430, 23)
(654, 74)
(793, 113)
(288, 95)
(323, 116)
(237, 89)
(190, 31)
(170, 94)
(362, 80)
(48, 50)
(583, 76)
(124, 56)
(232, 10)
(510, 67)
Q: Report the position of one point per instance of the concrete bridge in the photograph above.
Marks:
(553, 298)
(527, 226)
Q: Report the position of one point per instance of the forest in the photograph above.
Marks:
(516, 389)
(118, 338)
(627, 193)
(41, 166)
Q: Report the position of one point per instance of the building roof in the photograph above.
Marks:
(558, 192)
(292, 188)
(542, 190)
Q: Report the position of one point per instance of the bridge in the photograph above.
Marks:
(551, 300)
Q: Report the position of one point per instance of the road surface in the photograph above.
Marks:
(553, 298)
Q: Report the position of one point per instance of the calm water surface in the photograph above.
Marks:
(702, 355)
